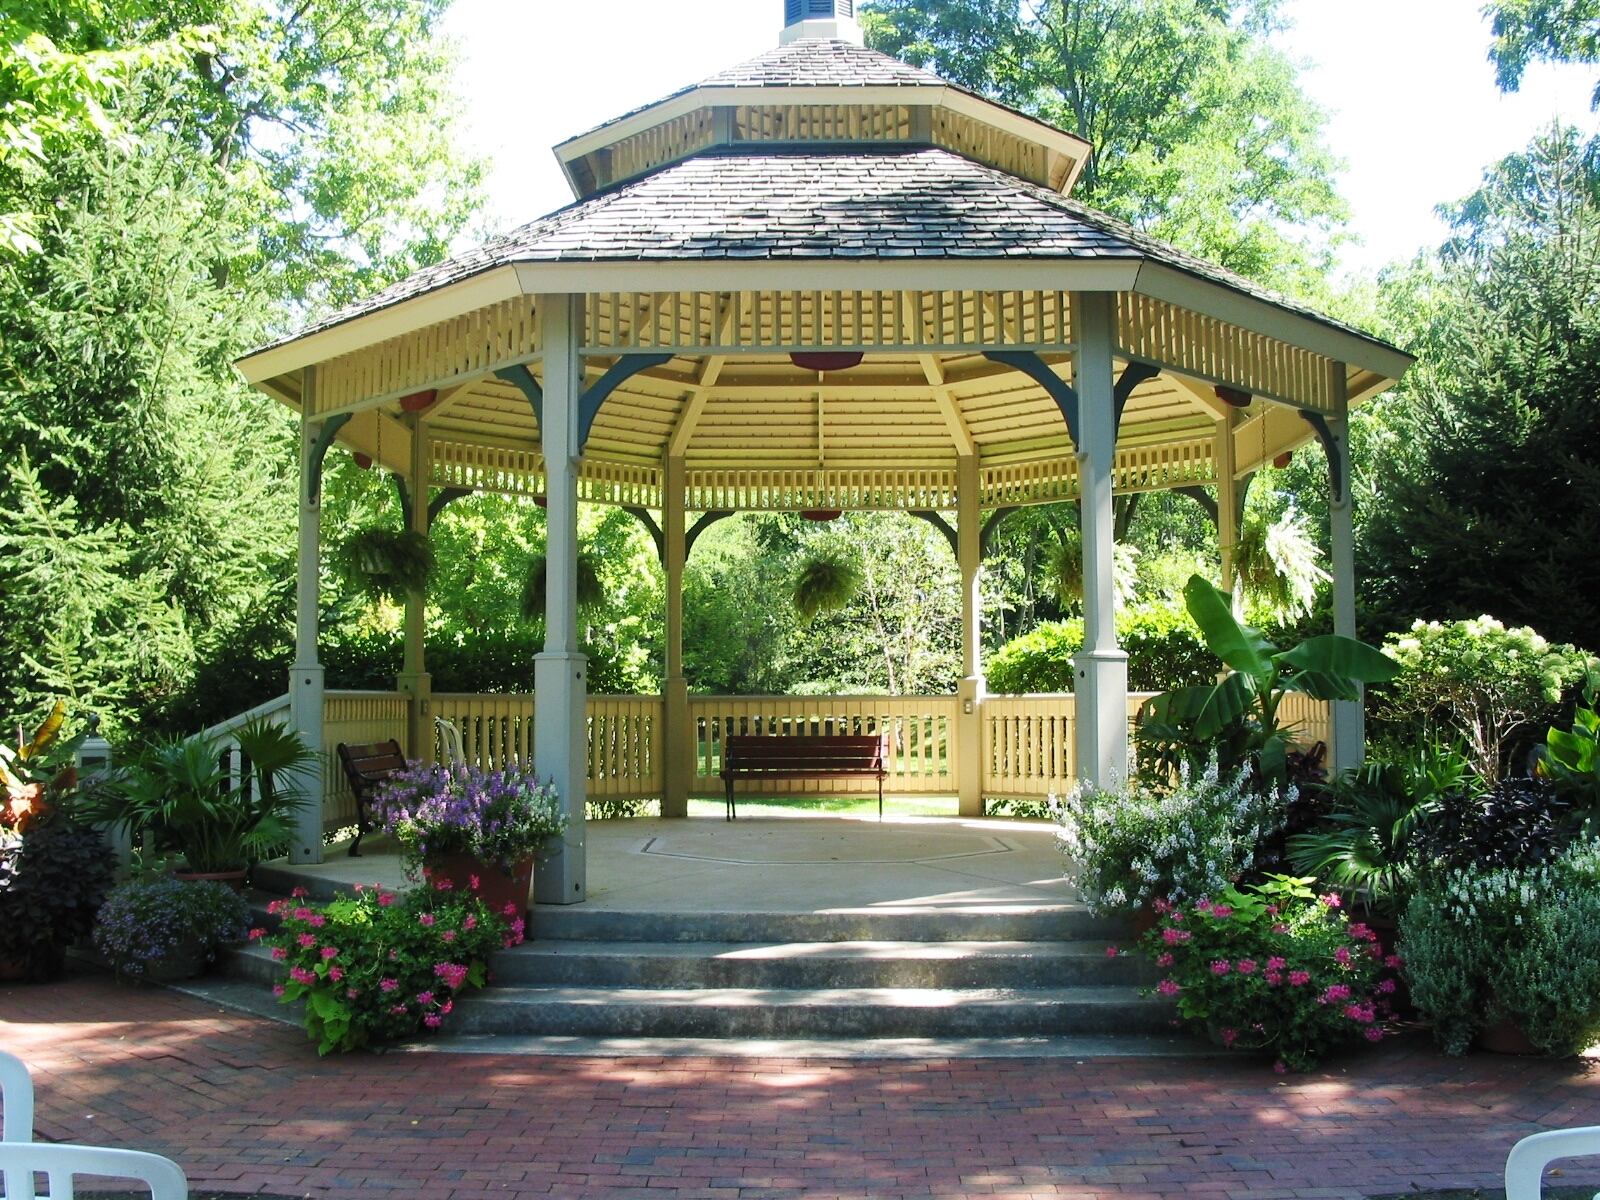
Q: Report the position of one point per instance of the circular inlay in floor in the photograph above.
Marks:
(801, 842)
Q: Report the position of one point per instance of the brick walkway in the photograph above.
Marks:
(245, 1105)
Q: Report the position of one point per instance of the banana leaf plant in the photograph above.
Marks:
(1237, 718)
(1571, 757)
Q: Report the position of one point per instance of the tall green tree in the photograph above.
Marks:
(1201, 134)
(1530, 31)
(267, 160)
(1488, 464)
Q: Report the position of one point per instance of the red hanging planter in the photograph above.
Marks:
(1284, 459)
(541, 501)
(364, 461)
(827, 360)
(418, 401)
(822, 514)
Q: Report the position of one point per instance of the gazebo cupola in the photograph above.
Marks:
(832, 19)
(821, 87)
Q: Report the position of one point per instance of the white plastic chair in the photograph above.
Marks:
(21, 1158)
(450, 740)
(60, 1163)
(16, 1100)
(1528, 1158)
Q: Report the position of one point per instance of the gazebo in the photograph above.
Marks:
(821, 280)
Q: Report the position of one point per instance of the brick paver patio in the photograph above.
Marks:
(245, 1105)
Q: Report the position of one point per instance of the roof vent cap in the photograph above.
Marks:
(833, 19)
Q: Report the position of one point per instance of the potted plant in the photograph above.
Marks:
(178, 798)
(471, 829)
(157, 929)
(54, 870)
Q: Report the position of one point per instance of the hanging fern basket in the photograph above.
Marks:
(825, 585)
(590, 593)
(385, 564)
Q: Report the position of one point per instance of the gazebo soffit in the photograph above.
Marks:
(694, 315)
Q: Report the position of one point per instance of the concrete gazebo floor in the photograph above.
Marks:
(787, 864)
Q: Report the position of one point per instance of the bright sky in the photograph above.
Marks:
(1415, 114)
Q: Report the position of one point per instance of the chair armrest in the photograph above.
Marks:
(1528, 1158)
(61, 1161)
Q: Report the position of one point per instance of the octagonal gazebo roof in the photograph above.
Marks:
(826, 197)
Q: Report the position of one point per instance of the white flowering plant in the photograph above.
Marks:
(1518, 944)
(1495, 687)
(1133, 844)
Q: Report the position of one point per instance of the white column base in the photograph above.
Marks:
(561, 755)
(306, 692)
(1349, 748)
(1101, 705)
(677, 748)
(969, 746)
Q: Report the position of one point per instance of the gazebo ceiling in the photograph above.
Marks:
(824, 198)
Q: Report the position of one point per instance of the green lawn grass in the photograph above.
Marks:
(829, 806)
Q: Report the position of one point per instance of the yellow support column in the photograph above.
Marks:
(414, 681)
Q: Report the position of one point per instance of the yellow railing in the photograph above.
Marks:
(921, 732)
(1027, 743)
(624, 747)
(496, 731)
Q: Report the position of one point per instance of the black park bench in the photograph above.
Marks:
(807, 756)
(366, 767)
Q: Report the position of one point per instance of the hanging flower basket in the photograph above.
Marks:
(385, 563)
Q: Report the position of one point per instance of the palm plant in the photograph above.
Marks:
(825, 583)
(179, 798)
(1364, 843)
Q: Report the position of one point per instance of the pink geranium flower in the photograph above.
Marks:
(1221, 967)
(1276, 963)
(385, 899)
(257, 934)
(1168, 987)
(299, 892)
(388, 985)
(330, 952)
(425, 920)
(1342, 956)
(279, 953)
(1111, 952)
(1299, 978)
(1164, 959)
(1331, 900)
(1247, 966)
(308, 941)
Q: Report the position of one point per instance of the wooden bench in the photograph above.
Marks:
(366, 767)
(803, 757)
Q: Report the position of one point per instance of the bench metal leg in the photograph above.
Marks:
(880, 797)
(731, 810)
(361, 832)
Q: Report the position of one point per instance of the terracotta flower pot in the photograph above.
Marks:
(496, 887)
(1505, 1037)
(1144, 919)
(234, 879)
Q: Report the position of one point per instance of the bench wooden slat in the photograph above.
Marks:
(365, 767)
(803, 756)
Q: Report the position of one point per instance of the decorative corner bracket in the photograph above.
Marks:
(1132, 376)
(706, 521)
(938, 522)
(1337, 484)
(1031, 365)
(326, 432)
(624, 369)
(991, 528)
(522, 379)
(642, 515)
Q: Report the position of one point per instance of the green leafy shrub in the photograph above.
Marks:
(1163, 647)
(1273, 969)
(1132, 845)
(1496, 688)
(1519, 944)
(53, 879)
(160, 927)
(1571, 760)
(376, 967)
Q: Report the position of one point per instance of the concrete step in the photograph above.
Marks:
(809, 1012)
(851, 964)
(1045, 923)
